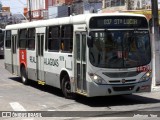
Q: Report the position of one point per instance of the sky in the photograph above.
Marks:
(16, 6)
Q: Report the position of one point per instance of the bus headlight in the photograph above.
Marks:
(97, 79)
(146, 76)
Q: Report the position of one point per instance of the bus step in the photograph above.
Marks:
(81, 92)
(41, 82)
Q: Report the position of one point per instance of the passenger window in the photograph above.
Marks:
(31, 39)
(67, 38)
(53, 38)
(22, 38)
(8, 39)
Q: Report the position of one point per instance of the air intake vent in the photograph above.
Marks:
(121, 74)
(124, 88)
(120, 81)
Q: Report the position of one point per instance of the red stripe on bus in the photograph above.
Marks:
(23, 57)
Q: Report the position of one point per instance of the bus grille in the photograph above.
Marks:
(124, 88)
(120, 81)
(121, 74)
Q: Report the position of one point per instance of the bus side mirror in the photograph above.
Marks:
(90, 41)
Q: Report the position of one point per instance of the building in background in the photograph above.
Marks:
(44, 9)
(38, 8)
(126, 4)
(63, 8)
(25, 11)
(18, 18)
(58, 11)
(87, 6)
(59, 8)
(130, 6)
(6, 9)
(5, 15)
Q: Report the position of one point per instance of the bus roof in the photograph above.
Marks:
(78, 19)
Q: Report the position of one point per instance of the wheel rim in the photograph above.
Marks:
(66, 88)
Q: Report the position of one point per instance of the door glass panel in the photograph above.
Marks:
(38, 45)
(42, 39)
(15, 44)
(78, 76)
(78, 46)
(12, 44)
(84, 76)
(84, 48)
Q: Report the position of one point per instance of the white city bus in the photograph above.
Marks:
(91, 54)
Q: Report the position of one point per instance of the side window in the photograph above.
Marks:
(67, 38)
(31, 39)
(22, 38)
(53, 38)
(8, 39)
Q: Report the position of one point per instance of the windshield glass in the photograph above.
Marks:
(120, 49)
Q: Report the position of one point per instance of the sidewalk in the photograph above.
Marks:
(155, 88)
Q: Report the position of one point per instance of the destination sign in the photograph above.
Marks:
(109, 22)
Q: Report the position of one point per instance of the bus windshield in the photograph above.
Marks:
(120, 49)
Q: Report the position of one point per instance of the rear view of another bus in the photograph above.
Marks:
(1, 43)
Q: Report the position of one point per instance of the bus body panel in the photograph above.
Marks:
(8, 63)
(53, 64)
(18, 63)
(31, 57)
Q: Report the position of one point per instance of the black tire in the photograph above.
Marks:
(66, 88)
(24, 76)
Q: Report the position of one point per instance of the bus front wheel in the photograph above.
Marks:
(66, 88)
(24, 76)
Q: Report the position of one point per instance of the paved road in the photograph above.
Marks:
(14, 96)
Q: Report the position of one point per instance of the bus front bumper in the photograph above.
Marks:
(118, 89)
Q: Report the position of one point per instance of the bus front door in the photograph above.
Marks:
(40, 59)
(80, 70)
(14, 55)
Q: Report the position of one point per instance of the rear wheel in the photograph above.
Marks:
(24, 75)
(66, 88)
